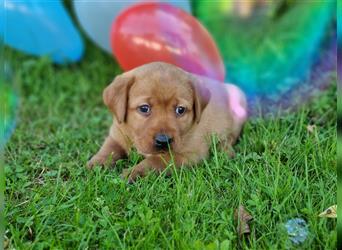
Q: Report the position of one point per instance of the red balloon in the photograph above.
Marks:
(151, 32)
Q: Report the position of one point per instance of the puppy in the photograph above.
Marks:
(168, 115)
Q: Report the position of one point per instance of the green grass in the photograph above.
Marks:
(281, 171)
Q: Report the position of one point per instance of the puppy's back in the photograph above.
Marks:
(226, 111)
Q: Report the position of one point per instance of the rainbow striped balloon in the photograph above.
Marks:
(268, 47)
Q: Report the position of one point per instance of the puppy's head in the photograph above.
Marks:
(158, 103)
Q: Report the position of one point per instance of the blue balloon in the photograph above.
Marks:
(40, 28)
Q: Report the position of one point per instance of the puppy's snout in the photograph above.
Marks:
(161, 141)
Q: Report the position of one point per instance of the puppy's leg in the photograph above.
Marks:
(226, 145)
(152, 163)
(238, 107)
(109, 148)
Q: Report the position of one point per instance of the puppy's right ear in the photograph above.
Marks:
(115, 96)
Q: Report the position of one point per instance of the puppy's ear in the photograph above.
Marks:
(201, 98)
(115, 96)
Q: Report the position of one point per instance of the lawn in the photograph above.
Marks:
(282, 171)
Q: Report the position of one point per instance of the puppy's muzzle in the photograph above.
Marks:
(162, 141)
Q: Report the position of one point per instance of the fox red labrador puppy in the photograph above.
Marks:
(168, 114)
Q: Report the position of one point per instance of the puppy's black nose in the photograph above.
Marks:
(161, 141)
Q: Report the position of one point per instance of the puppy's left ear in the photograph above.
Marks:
(201, 97)
(115, 96)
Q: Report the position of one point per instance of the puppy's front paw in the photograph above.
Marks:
(132, 174)
(231, 153)
(96, 160)
(125, 173)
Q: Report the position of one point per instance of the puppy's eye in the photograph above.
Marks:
(180, 110)
(144, 109)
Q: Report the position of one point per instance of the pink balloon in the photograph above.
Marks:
(152, 32)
